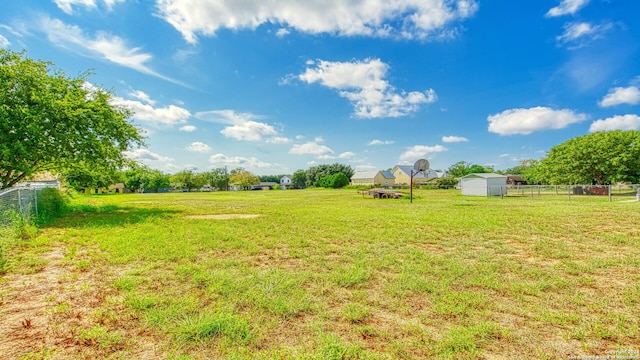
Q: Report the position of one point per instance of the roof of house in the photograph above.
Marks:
(387, 174)
(484, 175)
(364, 175)
(407, 170)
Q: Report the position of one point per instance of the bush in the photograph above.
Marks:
(51, 205)
(336, 181)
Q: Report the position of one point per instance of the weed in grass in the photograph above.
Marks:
(220, 324)
(355, 313)
(126, 283)
(101, 337)
(464, 303)
(352, 275)
(466, 340)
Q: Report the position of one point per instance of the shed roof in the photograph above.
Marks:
(484, 176)
(387, 174)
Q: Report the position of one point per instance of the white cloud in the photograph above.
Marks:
(578, 34)
(505, 155)
(282, 32)
(199, 147)
(526, 121)
(618, 122)
(144, 154)
(620, 95)
(237, 161)
(311, 148)
(165, 116)
(188, 128)
(454, 139)
(380, 142)
(142, 96)
(364, 84)
(103, 45)
(567, 7)
(347, 155)
(249, 131)
(242, 126)
(67, 5)
(4, 42)
(419, 152)
(415, 19)
(278, 140)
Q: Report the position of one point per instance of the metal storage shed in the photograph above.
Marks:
(484, 184)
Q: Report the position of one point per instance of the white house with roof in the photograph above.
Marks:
(483, 184)
(285, 182)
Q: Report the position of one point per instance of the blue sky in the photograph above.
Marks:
(281, 85)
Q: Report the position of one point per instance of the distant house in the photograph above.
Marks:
(483, 184)
(373, 178)
(402, 174)
(265, 185)
(515, 180)
(118, 188)
(285, 182)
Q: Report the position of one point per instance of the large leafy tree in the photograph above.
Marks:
(218, 178)
(299, 179)
(50, 121)
(189, 180)
(604, 157)
(243, 178)
(139, 177)
(315, 173)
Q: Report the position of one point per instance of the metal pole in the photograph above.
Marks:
(609, 192)
(411, 188)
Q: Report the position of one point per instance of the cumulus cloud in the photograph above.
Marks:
(311, 148)
(578, 34)
(567, 7)
(199, 147)
(618, 122)
(364, 84)
(237, 161)
(188, 128)
(621, 95)
(144, 154)
(102, 45)
(407, 19)
(67, 5)
(347, 155)
(242, 126)
(380, 142)
(420, 151)
(156, 116)
(454, 139)
(526, 121)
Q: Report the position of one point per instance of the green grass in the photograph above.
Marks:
(329, 274)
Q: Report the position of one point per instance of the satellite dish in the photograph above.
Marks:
(421, 165)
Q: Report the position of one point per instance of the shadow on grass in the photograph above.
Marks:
(91, 216)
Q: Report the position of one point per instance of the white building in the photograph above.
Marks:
(285, 182)
(485, 184)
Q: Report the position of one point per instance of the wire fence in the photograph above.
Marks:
(627, 192)
(20, 202)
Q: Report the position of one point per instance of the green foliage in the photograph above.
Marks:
(445, 182)
(315, 173)
(80, 177)
(299, 179)
(462, 168)
(335, 181)
(270, 178)
(139, 177)
(54, 122)
(187, 179)
(225, 324)
(52, 204)
(242, 178)
(604, 157)
(527, 169)
(218, 178)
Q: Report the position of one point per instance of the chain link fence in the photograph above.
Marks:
(626, 192)
(20, 202)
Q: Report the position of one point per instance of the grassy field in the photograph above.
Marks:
(330, 274)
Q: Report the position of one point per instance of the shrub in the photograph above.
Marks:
(51, 205)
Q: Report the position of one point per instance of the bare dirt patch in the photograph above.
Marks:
(61, 312)
(223, 216)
